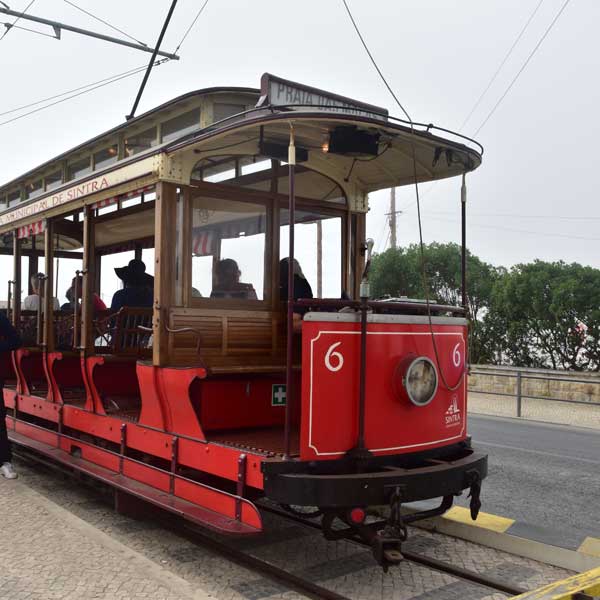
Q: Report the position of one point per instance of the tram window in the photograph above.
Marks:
(222, 110)
(178, 126)
(53, 180)
(106, 157)
(33, 189)
(109, 282)
(80, 168)
(139, 142)
(14, 197)
(228, 249)
(249, 165)
(310, 230)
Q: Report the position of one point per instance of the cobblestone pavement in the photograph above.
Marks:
(63, 536)
(539, 410)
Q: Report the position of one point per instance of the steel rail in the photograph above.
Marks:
(312, 590)
(432, 563)
(197, 536)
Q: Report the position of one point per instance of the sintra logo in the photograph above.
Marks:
(452, 416)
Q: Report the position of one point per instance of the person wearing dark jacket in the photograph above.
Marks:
(9, 340)
(139, 287)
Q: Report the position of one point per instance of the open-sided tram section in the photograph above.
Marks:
(222, 392)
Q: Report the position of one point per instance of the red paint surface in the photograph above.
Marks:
(393, 425)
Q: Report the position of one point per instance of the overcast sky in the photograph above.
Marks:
(536, 194)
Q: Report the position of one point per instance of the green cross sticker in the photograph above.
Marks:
(278, 395)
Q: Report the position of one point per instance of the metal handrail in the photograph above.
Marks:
(519, 395)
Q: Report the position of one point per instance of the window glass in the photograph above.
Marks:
(14, 197)
(178, 126)
(222, 110)
(109, 282)
(106, 157)
(317, 250)
(138, 142)
(79, 168)
(53, 180)
(33, 189)
(228, 249)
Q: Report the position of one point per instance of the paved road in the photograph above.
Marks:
(542, 474)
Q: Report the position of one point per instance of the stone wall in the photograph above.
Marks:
(583, 387)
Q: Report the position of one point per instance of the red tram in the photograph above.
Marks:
(225, 388)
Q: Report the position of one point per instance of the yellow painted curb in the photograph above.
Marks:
(484, 520)
(591, 545)
(588, 583)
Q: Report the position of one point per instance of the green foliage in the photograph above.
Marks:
(548, 315)
(539, 314)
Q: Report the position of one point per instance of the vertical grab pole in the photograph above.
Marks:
(16, 314)
(9, 301)
(290, 299)
(463, 257)
(365, 294)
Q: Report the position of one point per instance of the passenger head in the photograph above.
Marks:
(134, 274)
(228, 273)
(36, 282)
(283, 269)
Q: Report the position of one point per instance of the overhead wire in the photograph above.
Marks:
(191, 26)
(387, 85)
(24, 106)
(12, 26)
(85, 91)
(16, 20)
(539, 233)
(517, 216)
(523, 67)
(416, 184)
(497, 72)
(105, 22)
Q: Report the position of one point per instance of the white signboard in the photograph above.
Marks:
(281, 92)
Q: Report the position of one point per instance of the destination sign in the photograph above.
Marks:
(281, 92)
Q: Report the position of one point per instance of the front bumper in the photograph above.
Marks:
(329, 484)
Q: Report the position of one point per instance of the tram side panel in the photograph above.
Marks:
(393, 424)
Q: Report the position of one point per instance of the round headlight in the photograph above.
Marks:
(420, 381)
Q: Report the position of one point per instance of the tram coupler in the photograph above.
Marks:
(474, 481)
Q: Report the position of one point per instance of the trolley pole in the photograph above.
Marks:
(289, 382)
(319, 259)
(393, 218)
(463, 258)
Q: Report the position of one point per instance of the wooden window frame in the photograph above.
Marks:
(274, 203)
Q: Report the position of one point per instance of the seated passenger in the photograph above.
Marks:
(139, 287)
(302, 288)
(32, 301)
(77, 285)
(228, 284)
(69, 306)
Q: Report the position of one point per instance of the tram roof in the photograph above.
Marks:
(235, 120)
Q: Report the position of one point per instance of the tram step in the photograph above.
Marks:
(183, 508)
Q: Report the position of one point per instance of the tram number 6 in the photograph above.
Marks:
(456, 357)
(335, 355)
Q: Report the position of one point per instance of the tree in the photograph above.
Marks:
(399, 272)
(548, 315)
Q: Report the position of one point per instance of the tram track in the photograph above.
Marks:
(431, 563)
(277, 574)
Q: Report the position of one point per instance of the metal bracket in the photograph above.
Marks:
(241, 485)
(174, 458)
(123, 447)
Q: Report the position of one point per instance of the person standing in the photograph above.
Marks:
(9, 340)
